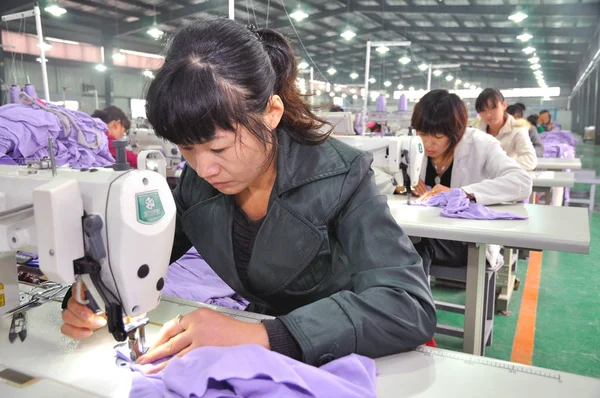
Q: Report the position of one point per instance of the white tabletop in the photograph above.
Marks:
(558, 164)
(551, 179)
(564, 229)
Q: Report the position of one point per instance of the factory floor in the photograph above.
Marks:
(562, 300)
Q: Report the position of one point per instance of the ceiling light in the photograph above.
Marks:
(332, 94)
(538, 73)
(47, 46)
(525, 37)
(55, 9)
(536, 66)
(352, 91)
(404, 60)
(387, 95)
(353, 75)
(318, 92)
(355, 96)
(372, 80)
(299, 15)
(423, 67)
(62, 41)
(40, 60)
(148, 74)
(100, 67)
(344, 95)
(411, 88)
(529, 50)
(348, 34)
(155, 32)
(331, 70)
(534, 60)
(118, 56)
(437, 72)
(337, 89)
(400, 86)
(449, 78)
(517, 16)
(467, 85)
(458, 81)
(387, 83)
(382, 49)
(303, 65)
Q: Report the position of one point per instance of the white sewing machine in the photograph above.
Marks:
(112, 230)
(146, 139)
(400, 156)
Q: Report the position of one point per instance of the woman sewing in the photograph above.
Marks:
(460, 157)
(117, 124)
(290, 219)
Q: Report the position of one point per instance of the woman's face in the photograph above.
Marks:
(116, 129)
(435, 145)
(232, 161)
(493, 114)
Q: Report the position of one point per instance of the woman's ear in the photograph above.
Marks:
(504, 106)
(274, 112)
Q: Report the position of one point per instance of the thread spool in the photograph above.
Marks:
(380, 107)
(403, 103)
(14, 91)
(30, 90)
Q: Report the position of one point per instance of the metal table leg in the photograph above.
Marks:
(474, 306)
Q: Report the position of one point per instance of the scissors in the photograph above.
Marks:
(18, 327)
(37, 299)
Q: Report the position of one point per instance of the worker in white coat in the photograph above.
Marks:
(460, 157)
(513, 136)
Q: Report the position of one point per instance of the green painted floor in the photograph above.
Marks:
(567, 335)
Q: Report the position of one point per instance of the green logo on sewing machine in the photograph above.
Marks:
(420, 148)
(149, 207)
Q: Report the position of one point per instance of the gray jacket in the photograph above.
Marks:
(329, 259)
(536, 140)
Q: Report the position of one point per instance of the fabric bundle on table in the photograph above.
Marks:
(252, 371)
(457, 205)
(191, 278)
(559, 144)
(79, 139)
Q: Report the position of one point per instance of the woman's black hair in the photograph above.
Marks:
(533, 119)
(521, 105)
(219, 74)
(111, 113)
(488, 99)
(515, 110)
(439, 112)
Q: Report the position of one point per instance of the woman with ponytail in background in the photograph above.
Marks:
(117, 123)
(290, 218)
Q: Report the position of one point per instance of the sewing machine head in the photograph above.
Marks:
(111, 230)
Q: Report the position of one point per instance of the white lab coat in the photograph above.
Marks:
(384, 180)
(514, 139)
(482, 168)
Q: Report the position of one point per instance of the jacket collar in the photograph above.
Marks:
(299, 164)
(506, 128)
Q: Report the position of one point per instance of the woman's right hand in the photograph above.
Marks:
(420, 189)
(80, 321)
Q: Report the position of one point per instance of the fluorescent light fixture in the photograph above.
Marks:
(352, 91)
(411, 88)
(318, 92)
(525, 37)
(348, 34)
(303, 65)
(155, 32)
(517, 16)
(529, 50)
(536, 66)
(387, 95)
(355, 96)
(331, 70)
(387, 83)
(332, 94)
(372, 80)
(353, 75)
(437, 72)
(449, 78)
(62, 41)
(141, 54)
(400, 86)
(404, 60)
(382, 49)
(118, 56)
(337, 89)
(55, 9)
(466, 85)
(100, 67)
(344, 95)
(538, 73)
(458, 81)
(299, 15)
(534, 60)
(423, 67)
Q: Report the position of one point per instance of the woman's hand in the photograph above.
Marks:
(438, 189)
(80, 321)
(420, 189)
(200, 328)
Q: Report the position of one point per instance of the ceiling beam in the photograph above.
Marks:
(566, 10)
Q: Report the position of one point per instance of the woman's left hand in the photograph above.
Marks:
(438, 189)
(200, 328)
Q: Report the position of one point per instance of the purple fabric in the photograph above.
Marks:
(559, 136)
(559, 144)
(457, 205)
(191, 278)
(252, 371)
(181, 165)
(24, 132)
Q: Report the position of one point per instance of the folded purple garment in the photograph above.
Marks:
(191, 278)
(457, 205)
(252, 371)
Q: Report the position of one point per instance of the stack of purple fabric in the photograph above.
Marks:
(559, 144)
(191, 278)
(79, 140)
